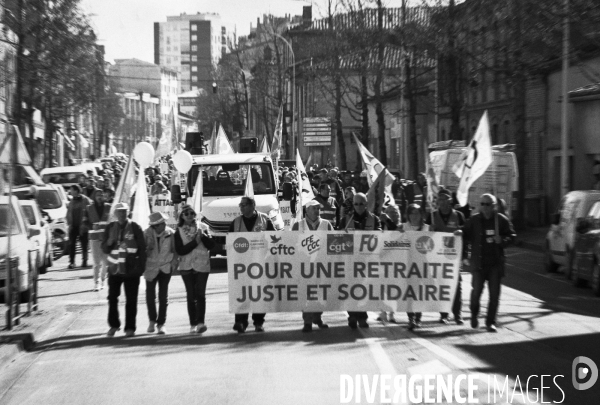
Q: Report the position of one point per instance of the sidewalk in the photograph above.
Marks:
(532, 238)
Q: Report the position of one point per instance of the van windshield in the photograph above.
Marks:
(4, 228)
(46, 199)
(62, 178)
(230, 179)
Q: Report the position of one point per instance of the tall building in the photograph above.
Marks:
(191, 45)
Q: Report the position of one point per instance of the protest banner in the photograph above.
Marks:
(162, 203)
(286, 214)
(342, 271)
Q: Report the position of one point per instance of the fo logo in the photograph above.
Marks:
(585, 373)
(241, 245)
(425, 244)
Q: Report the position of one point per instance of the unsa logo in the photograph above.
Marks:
(241, 245)
(425, 244)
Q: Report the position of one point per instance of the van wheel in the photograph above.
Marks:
(569, 264)
(596, 280)
(550, 265)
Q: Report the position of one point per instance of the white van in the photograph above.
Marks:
(224, 183)
(66, 176)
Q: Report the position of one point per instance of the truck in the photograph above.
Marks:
(501, 178)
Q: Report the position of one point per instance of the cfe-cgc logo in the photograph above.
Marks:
(312, 244)
(340, 244)
(585, 373)
(424, 244)
(241, 245)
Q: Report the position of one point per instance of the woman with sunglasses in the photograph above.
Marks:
(193, 243)
(415, 223)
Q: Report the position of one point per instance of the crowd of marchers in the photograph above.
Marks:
(123, 252)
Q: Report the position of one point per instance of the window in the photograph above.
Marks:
(194, 68)
(14, 228)
(168, 49)
(194, 58)
(168, 60)
(194, 48)
(194, 37)
(175, 48)
(194, 78)
(194, 27)
(231, 179)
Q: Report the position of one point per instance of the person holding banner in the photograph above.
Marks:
(250, 221)
(390, 221)
(125, 245)
(360, 220)
(312, 222)
(446, 219)
(193, 243)
(487, 233)
(160, 263)
(414, 222)
(96, 218)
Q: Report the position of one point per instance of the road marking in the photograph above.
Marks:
(446, 355)
(382, 359)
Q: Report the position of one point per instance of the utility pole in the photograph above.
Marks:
(564, 132)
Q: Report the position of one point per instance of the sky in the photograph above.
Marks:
(126, 27)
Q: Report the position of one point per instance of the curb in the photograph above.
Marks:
(13, 344)
(530, 245)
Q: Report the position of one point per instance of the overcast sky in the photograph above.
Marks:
(126, 27)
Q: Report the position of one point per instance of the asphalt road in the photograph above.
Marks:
(545, 323)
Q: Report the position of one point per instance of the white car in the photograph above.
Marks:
(43, 241)
(66, 176)
(52, 200)
(22, 252)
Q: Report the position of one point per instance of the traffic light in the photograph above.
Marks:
(248, 145)
(214, 87)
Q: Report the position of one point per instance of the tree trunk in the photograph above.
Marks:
(378, 85)
(339, 132)
(453, 76)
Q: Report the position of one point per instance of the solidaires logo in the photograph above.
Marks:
(424, 244)
(241, 245)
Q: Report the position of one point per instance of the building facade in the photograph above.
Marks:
(191, 45)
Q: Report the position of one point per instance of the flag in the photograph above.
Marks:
(213, 140)
(306, 192)
(433, 186)
(23, 157)
(197, 199)
(222, 145)
(168, 140)
(264, 146)
(141, 209)
(249, 189)
(377, 198)
(475, 160)
(374, 168)
(276, 145)
(125, 187)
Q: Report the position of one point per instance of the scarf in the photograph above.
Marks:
(190, 230)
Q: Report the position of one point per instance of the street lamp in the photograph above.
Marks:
(293, 90)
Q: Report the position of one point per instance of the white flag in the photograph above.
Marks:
(374, 168)
(125, 187)
(474, 160)
(249, 190)
(198, 193)
(303, 181)
(141, 209)
(222, 144)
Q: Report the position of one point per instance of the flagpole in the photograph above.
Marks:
(494, 188)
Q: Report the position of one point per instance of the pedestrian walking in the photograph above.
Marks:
(126, 248)
(193, 243)
(447, 219)
(161, 260)
(390, 221)
(312, 222)
(250, 221)
(96, 218)
(415, 222)
(360, 220)
(331, 209)
(77, 230)
(485, 236)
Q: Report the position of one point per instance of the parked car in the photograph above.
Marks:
(560, 239)
(66, 176)
(43, 241)
(52, 200)
(586, 267)
(21, 244)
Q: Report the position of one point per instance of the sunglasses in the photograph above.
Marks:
(483, 204)
(359, 203)
(243, 205)
(188, 213)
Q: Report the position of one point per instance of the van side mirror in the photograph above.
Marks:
(33, 231)
(176, 194)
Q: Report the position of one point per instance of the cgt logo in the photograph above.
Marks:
(424, 244)
(585, 373)
(241, 245)
(340, 244)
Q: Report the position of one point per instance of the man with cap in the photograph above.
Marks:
(312, 222)
(360, 220)
(250, 221)
(331, 209)
(161, 260)
(447, 219)
(125, 245)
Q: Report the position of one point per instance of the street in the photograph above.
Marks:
(544, 324)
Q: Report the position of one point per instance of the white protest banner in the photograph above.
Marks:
(333, 271)
(286, 214)
(162, 203)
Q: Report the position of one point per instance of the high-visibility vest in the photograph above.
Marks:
(303, 225)
(99, 224)
(438, 224)
(329, 209)
(369, 224)
(259, 226)
(117, 256)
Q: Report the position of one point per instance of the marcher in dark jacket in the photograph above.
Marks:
(487, 233)
(77, 229)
